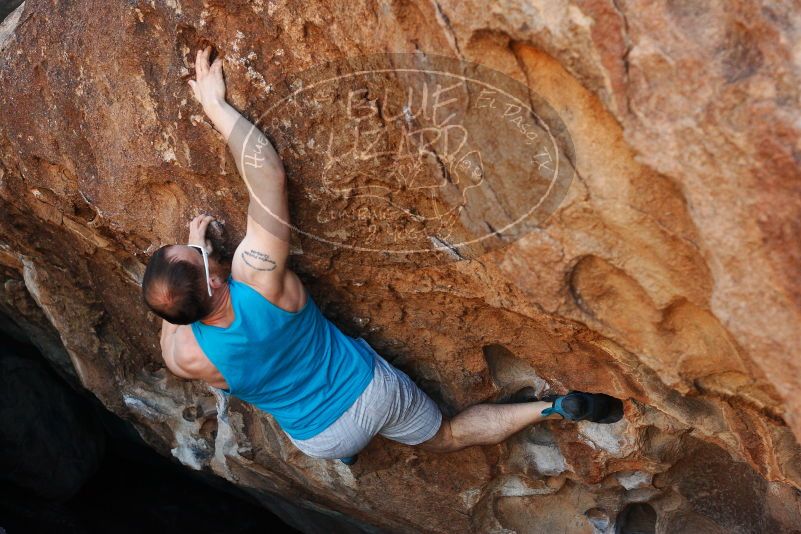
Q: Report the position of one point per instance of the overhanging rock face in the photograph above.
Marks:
(666, 276)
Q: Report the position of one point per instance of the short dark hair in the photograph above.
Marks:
(175, 289)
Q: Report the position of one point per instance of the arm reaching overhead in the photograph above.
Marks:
(260, 259)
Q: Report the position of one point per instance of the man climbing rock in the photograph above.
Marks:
(258, 335)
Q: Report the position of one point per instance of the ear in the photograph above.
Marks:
(216, 281)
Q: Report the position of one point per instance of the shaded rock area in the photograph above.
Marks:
(667, 277)
(7, 7)
(69, 465)
(50, 446)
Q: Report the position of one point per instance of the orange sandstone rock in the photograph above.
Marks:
(667, 275)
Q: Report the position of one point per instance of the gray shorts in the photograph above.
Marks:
(392, 405)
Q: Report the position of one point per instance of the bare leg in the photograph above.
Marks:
(485, 424)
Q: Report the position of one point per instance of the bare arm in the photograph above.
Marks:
(261, 257)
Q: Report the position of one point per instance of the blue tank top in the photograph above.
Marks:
(297, 366)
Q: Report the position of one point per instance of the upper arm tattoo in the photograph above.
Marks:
(260, 261)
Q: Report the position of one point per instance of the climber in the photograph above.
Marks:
(256, 333)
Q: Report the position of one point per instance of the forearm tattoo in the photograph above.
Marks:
(258, 260)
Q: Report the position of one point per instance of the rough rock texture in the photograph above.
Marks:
(668, 277)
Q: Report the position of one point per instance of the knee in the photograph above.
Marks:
(443, 440)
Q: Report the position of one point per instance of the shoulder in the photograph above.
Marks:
(187, 354)
(269, 291)
(289, 294)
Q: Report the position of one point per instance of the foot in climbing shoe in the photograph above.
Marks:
(349, 460)
(580, 406)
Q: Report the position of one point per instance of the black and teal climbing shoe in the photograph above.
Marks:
(580, 406)
(349, 460)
